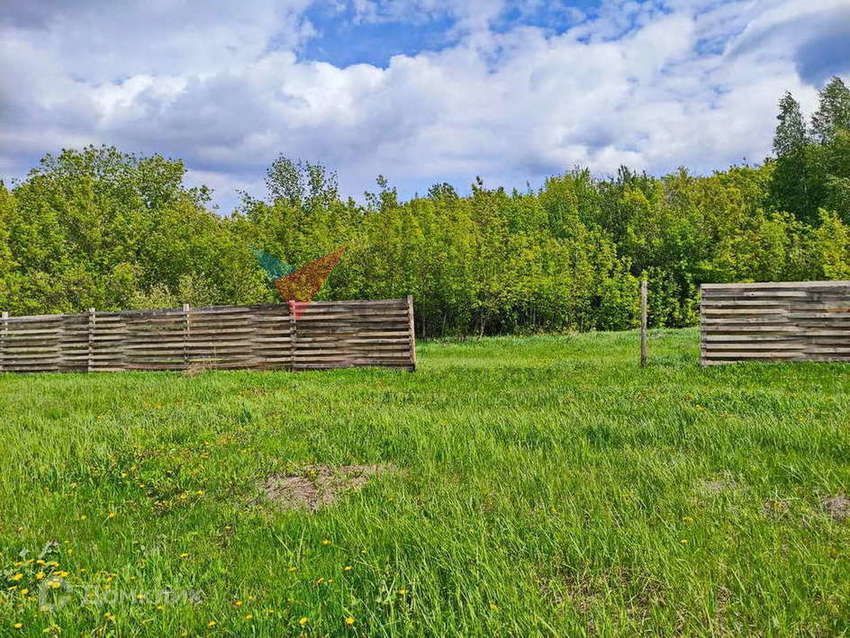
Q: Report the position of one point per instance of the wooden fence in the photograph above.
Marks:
(793, 321)
(329, 334)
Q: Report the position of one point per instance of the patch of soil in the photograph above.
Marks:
(776, 508)
(838, 507)
(316, 486)
(716, 486)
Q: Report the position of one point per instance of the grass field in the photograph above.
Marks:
(539, 486)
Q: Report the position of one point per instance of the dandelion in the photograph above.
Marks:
(687, 519)
(211, 624)
(53, 563)
(39, 575)
(237, 603)
(347, 568)
(349, 621)
(326, 541)
(24, 591)
(111, 515)
(684, 541)
(303, 620)
(15, 578)
(54, 584)
(18, 625)
(402, 592)
(40, 561)
(184, 555)
(249, 616)
(200, 492)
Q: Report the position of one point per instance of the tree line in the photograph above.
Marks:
(96, 227)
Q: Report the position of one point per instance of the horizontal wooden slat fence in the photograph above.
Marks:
(786, 321)
(318, 335)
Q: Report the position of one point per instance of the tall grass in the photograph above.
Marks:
(544, 486)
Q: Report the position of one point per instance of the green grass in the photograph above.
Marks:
(545, 486)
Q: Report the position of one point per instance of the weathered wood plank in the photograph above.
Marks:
(794, 321)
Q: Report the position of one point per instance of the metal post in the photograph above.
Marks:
(644, 344)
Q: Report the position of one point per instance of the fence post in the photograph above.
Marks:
(293, 335)
(90, 358)
(3, 333)
(187, 334)
(644, 342)
(412, 333)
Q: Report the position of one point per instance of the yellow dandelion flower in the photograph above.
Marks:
(249, 616)
(326, 541)
(63, 574)
(347, 568)
(237, 603)
(402, 592)
(349, 621)
(40, 561)
(684, 541)
(83, 517)
(24, 591)
(18, 625)
(39, 575)
(303, 620)
(184, 555)
(111, 515)
(200, 492)
(211, 624)
(54, 584)
(16, 577)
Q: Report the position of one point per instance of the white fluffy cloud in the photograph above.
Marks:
(654, 85)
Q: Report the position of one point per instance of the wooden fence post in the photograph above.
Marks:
(3, 332)
(412, 333)
(293, 335)
(90, 358)
(187, 334)
(644, 341)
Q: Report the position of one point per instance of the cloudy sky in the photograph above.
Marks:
(418, 90)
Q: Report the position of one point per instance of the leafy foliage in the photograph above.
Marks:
(273, 267)
(96, 227)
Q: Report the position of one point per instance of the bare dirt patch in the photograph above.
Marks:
(718, 485)
(317, 486)
(776, 508)
(838, 507)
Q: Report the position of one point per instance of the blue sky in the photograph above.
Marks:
(421, 91)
